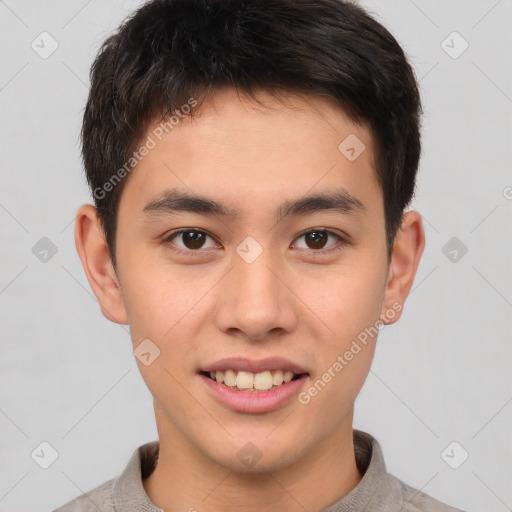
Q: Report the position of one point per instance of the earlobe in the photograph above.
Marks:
(95, 257)
(405, 258)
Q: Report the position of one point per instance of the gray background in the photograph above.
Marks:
(442, 374)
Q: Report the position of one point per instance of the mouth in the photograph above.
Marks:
(253, 386)
(267, 380)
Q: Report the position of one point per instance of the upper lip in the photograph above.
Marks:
(253, 365)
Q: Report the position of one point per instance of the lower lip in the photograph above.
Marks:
(254, 401)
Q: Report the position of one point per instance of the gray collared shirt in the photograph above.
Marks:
(378, 491)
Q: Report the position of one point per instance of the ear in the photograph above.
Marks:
(95, 256)
(405, 258)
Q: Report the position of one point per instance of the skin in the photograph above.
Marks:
(295, 300)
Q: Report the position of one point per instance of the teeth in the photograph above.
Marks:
(278, 378)
(287, 376)
(252, 381)
(244, 380)
(263, 381)
(230, 378)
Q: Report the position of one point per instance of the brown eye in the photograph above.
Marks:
(193, 239)
(190, 239)
(316, 239)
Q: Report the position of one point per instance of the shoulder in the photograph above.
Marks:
(126, 492)
(99, 499)
(413, 500)
(380, 491)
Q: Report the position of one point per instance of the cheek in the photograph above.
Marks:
(345, 350)
(156, 297)
(350, 305)
(346, 303)
(163, 311)
(150, 308)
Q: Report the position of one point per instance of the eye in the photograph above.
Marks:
(318, 239)
(190, 240)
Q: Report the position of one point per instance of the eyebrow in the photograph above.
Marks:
(336, 201)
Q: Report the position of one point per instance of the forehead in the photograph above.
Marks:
(250, 152)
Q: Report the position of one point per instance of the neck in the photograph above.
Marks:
(185, 479)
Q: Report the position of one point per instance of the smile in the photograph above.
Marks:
(249, 381)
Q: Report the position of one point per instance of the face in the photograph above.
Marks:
(250, 246)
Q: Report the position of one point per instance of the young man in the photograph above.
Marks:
(250, 163)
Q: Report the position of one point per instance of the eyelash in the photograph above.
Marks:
(195, 253)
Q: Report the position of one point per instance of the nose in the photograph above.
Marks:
(255, 301)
